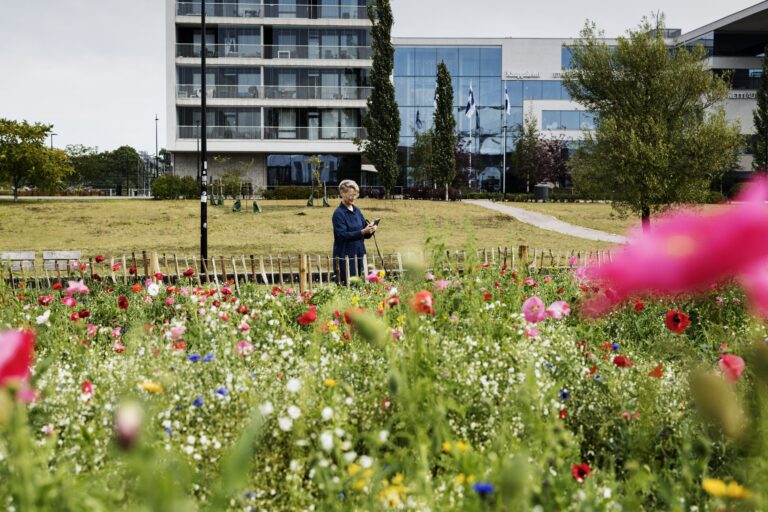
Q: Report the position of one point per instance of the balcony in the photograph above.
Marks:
(233, 50)
(274, 92)
(274, 132)
(289, 51)
(272, 10)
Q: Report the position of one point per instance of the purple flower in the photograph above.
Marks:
(194, 357)
(483, 488)
(564, 394)
(615, 347)
(208, 358)
(222, 391)
(198, 402)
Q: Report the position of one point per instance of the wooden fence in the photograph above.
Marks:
(304, 270)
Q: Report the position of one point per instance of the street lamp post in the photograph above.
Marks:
(198, 149)
(52, 134)
(203, 146)
(157, 169)
(504, 163)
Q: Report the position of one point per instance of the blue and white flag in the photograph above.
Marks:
(470, 102)
(419, 123)
(507, 106)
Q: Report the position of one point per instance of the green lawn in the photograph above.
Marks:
(115, 227)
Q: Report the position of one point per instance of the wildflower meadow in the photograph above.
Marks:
(485, 387)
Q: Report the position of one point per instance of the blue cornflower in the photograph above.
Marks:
(342, 496)
(253, 375)
(615, 347)
(178, 407)
(198, 402)
(250, 495)
(222, 391)
(207, 358)
(550, 366)
(169, 431)
(564, 394)
(194, 357)
(483, 488)
(599, 378)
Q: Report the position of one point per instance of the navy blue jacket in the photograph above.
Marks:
(348, 239)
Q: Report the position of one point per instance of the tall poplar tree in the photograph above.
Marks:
(760, 117)
(662, 135)
(382, 118)
(444, 131)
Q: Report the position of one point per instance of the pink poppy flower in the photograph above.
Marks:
(442, 285)
(76, 287)
(533, 309)
(731, 366)
(16, 350)
(558, 309)
(687, 252)
(177, 332)
(92, 330)
(169, 301)
(68, 301)
(244, 349)
(532, 332)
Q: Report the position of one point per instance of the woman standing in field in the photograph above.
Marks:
(350, 229)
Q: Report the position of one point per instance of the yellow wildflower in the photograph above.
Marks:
(382, 274)
(329, 383)
(447, 447)
(720, 489)
(358, 485)
(353, 469)
(398, 479)
(737, 492)
(462, 446)
(151, 387)
(460, 479)
(355, 300)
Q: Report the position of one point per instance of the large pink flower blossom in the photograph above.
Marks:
(76, 287)
(688, 251)
(16, 349)
(533, 310)
(732, 366)
(558, 309)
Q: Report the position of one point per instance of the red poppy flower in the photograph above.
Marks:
(422, 303)
(118, 347)
(115, 267)
(57, 285)
(189, 272)
(84, 313)
(99, 258)
(45, 300)
(487, 297)
(74, 317)
(122, 302)
(179, 345)
(563, 414)
(159, 276)
(308, 317)
(350, 313)
(393, 301)
(136, 288)
(276, 290)
(580, 471)
(622, 362)
(677, 321)
(86, 388)
(657, 372)
(132, 270)
(243, 310)
(96, 277)
(639, 305)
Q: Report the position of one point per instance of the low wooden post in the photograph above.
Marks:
(523, 253)
(302, 273)
(224, 272)
(400, 265)
(245, 269)
(155, 264)
(329, 261)
(234, 272)
(176, 267)
(253, 269)
(215, 273)
(272, 271)
(263, 271)
(197, 270)
(346, 258)
(365, 266)
(279, 269)
(319, 270)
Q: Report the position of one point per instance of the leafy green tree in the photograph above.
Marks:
(382, 118)
(25, 159)
(538, 158)
(760, 118)
(87, 163)
(421, 161)
(444, 131)
(662, 135)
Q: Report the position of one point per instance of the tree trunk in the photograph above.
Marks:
(16, 185)
(446, 192)
(645, 218)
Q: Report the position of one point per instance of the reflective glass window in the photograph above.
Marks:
(423, 117)
(489, 121)
(532, 89)
(550, 120)
(515, 91)
(403, 61)
(564, 94)
(566, 58)
(424, 89)
(463, 90)
(469, 61)
(569, 119)
(456, 91)
(515, 118)
(550, 89)
(489, 92)
(451, 58)
(424, 61)
(404, 90)
(490, 62)
(587, 120)
(407, 121)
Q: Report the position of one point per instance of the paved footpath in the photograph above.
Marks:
(548, 222)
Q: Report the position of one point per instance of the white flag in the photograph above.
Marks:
(507, 106)
(470, 102)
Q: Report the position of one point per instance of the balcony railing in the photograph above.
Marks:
(274, 51)
(219, 50)
(275, 92)
(274, 132)
(272, 10)
(291, 51)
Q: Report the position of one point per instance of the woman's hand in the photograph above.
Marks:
(369, 229)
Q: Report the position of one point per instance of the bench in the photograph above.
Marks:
(59, 260)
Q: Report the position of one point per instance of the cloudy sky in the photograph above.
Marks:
(94, 68)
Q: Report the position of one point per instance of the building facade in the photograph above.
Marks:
(287, 81)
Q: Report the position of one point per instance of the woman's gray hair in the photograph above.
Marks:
(348, 184)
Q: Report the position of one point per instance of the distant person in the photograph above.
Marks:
(350, 229)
